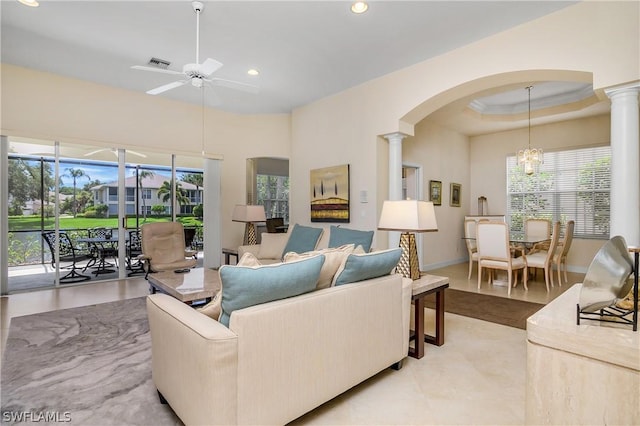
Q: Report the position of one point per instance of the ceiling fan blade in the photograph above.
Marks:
(136, 153)
(166, 87)
(235, 85)
(89, 154)
(211, 96)
(153, 69)
(210, 66)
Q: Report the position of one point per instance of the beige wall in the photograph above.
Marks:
(587, 39)
(444, 156)
(50, 107)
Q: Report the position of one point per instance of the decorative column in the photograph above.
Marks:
(395, 165)
(625, 161)
(395, 176)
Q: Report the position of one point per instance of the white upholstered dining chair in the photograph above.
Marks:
(494, 251)
(560, 257)
(543, 259)
(537, 228)
(470, 240)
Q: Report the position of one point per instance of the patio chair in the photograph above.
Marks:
(163, 248)
(101, 249)
(134, 249)
(68, 253)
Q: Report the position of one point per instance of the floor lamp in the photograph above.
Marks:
(248, 215)
(408, 217)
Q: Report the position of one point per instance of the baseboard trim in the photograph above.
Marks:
(576, 269)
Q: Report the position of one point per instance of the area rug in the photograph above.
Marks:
(500, 310)
(87, 366)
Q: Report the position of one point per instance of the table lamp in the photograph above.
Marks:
(249, 215)
(408, 217)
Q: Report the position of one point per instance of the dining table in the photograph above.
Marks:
(518, 242)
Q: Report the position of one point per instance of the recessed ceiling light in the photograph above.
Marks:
(359, 7)
(32, 3)
(253, 71)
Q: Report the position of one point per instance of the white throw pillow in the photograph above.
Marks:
(213, 308)
(272, 245)
(248, 259)
(334, 258)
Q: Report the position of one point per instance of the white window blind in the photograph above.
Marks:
(570, 185)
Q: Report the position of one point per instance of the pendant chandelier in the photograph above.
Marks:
(530, 158)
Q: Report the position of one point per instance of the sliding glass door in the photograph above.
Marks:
(74, 212)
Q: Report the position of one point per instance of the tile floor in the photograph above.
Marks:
(476, 377)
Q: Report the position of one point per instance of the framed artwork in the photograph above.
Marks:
(456, 188)
(330, 194)
(435, 192)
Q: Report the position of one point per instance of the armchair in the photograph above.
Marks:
(163, 248)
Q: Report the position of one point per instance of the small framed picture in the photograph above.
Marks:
(435, 192)
(455, 194)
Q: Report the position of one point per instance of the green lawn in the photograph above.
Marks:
(32, 223)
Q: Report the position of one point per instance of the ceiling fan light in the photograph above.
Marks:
(359, 7)
(30, 3)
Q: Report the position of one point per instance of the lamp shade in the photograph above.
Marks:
(408, 216)
(243, 213)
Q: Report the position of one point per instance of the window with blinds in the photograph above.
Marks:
(273, 194)
(570, 185)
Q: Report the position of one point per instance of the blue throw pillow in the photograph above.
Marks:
(360, 267)
(247, 286)
(341, 236)
(302, 239)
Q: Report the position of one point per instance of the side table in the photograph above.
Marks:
(228, 253)
(422, 287)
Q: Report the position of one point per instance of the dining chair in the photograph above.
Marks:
(67, 253)
(494, 252)
(275, 224)
(543, 259)
(560, 258)
(537, 228)
(470, 240)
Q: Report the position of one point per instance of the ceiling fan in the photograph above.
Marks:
(114, 152)
(198, 74)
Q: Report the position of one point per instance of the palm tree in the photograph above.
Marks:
(196, 179)
(143, 174)
(75, 174)
(165, 193)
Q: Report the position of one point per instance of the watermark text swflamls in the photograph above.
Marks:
(36, 416)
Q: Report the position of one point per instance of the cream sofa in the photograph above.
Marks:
(277, 360)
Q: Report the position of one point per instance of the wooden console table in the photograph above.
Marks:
(422, 287)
